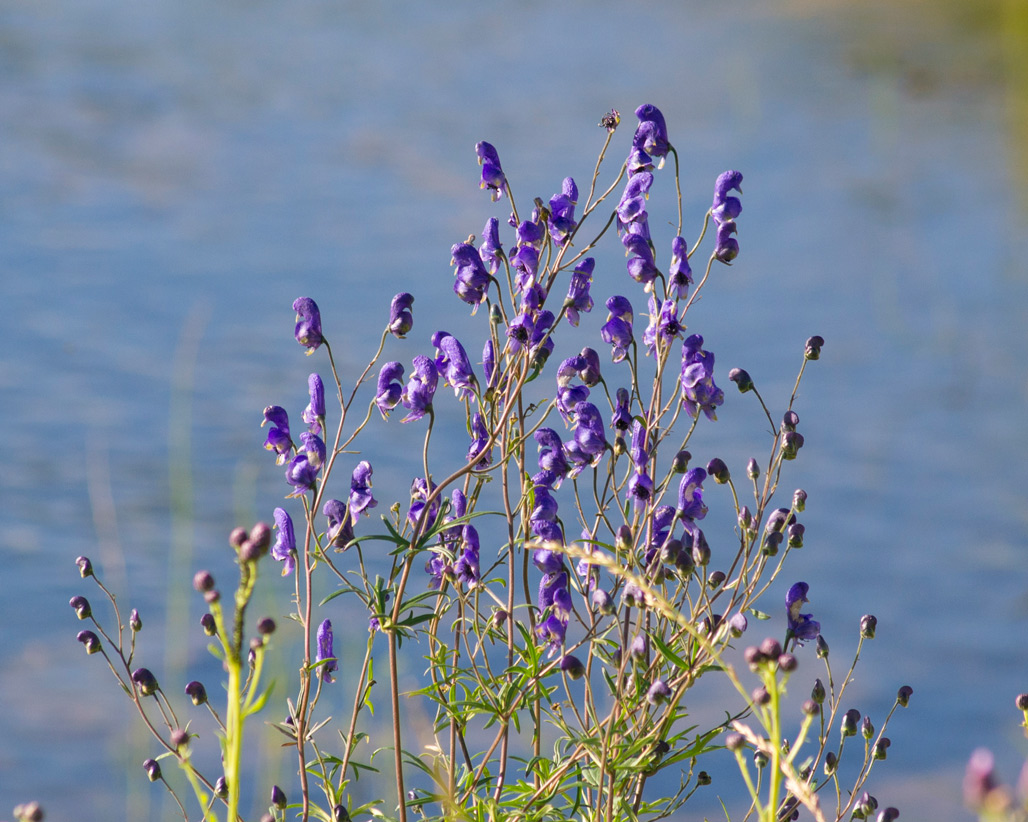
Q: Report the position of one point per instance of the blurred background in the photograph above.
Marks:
(173, 174)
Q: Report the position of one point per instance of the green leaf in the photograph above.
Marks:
(667, 653)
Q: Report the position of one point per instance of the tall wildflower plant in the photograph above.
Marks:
(553, 577)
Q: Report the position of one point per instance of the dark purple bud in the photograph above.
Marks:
(792, 442)
(308, 324)
(787, 663)
(81, 606)
(214, 595)
(145, 681)
(401, 320)
(795, 533)
(717, 469)
(572, 666)
(340, 814)
(153, 769)
(813, 348)
(266, 626)
(85, 567)
(658, 693)
(868, 624)
(196, 692)
(821, 647)
(203, 581)
(325, 651)
(737, 624)
(754, 657)
(90, 640)
(700, 550)
(742, 379)
(752, 469)
(889, 814)
(716, 578)
(831, 763)
(703, 778)
(680, 463)
(499, 617)
(760, 696)
(221, 788)
(817, 693)
(760, 759)
(237, 537)
(881, 746)
(867, 728)
(278, 797)
(590, 371)
(850, 720)
(771, 648)
(208, 625)
(734, 742)
(250, 551)
(135, 622)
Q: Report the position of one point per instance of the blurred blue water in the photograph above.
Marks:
(174, 174)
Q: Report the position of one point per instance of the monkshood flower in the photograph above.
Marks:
(541, 342)
(589, 441)
(302, 475)
(314, 447)
(401, 320)
(466, 568)
(551, 455)
(472, 278)
(489, 364)
(552, 631)
(727, 247)
(568, 398)
(632, 206)
(325, 653)
(641, 266)
(621, 421)
(361, 498)
(572, 666)
(284, 549)
(724, 210)
(314, 413)
(278, 439)
(640, 489)
(801, 626)
(308, 324)
(639, 452)
(390, 390)
(544, 504)
(690, 495)
(679, 272)
(663, 326)
(561, 221)
(417, 396)
(525, 260)
(638, 160)
(589, 373)
(491, 250)
(493, 178)
(458, 508)
(699, 393)
(555, 594)
(618, 329)
(547, 561)
(658, 693)
(419, 491)
(453, 364)
(340, 524)
(578, 298)
(651, 133)
(479, 438)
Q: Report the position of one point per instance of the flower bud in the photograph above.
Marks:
(572, 666)
(221, 788)
(237, 537)
(903, 695)
(179, 738)
(207, 623)
(196, 692)
(1021, 701)
(799, 499)
(717, 470)
(734, 741)
(868, 624)
(760, 696)
(787, 663)
(752, 469)
(790, 419)
(881, 746)
(81, 606)
(340, 814)
(716, 578)
(266, 626)
(742, 379)
(658, 693)
(792, 442)
(771, 543)
(495, 315)
(822, 646)
(29, 812)
(135, 622)
(888, 815)
(811, 708)
(145, 681)
(771, 648)
(795, 533)
(817, 693)
(153, 769)
(203, 581)
(831, 763)
(680, 464)
(278, 797)
(760, 759)
(849, 722)
(703, 778)
(812, 350)
(640, 647)
(499, 618)
(700, 550)
(90, 640)
(670, 551)
(867, 728)
(85, 566)
(601, 602)
(623, 539)
(737, 624)
(754, 657)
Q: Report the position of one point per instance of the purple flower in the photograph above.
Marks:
(589, 373)
(419, 492)
(360, 490)
(727, 248)
(466, 568)
(801, 626)
(489, 364)
(638, 160)
(325, 652)
(690, 495)
(314, 413)
(552, 631)
(278, 439)
(663, 326)
(417, 396)
(308, 324)
(618, 329)
(314, 448)
(551, 455)
(697, 379)
(472, 278)
(302, 475)
(679, 273)
(569, 397)
(622, 419)
(284, 549)
(641, 267)
(491, 250)
(639, 453)
(632, 206)
(589, 442)
(453, 364)
(724, 210)
(640, 489)
(572, 666)
(651, 133)
(578, 298)
(390, 389)
(492, 174)
(401, 320)
(658, 693)
(479, 438)
(561, 222)
(340, 524)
